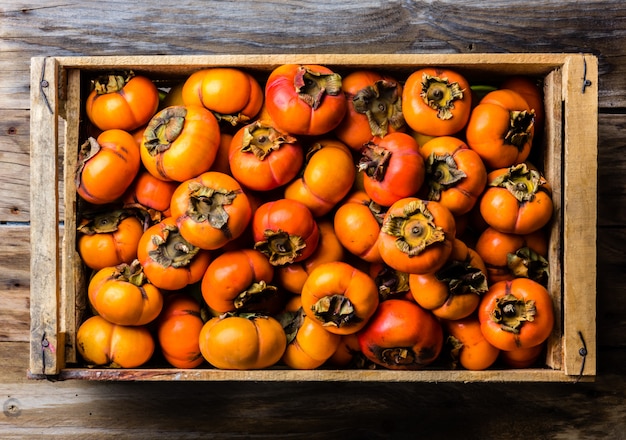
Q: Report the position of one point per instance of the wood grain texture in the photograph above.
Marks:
(103, 410)
(266, 410)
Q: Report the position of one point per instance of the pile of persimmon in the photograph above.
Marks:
(311, 218)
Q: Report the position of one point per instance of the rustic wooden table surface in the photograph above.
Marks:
(79, 410)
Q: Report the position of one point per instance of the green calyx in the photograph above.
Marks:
(382, 104)
(163, 129)
(261, 139)
(172, 250)
(207, 205)
(414, 229)
(440, 94)
(312, 86)
(521, 181)
(442, 173)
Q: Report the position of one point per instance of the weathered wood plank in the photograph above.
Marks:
(266, 410)
(355, 27)
(46, 340)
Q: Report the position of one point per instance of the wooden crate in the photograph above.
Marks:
(58, 281)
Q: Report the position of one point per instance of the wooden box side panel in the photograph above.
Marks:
(46, 350)
(580, 214)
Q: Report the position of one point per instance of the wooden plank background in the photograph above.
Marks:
(74, 409)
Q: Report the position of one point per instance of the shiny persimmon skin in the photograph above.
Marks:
(400, 325)
(476, 352)
(202, 232)
(191, 153)
(502, 211)
(354, 130)
(232, 273)
(238, 343)
(294, 115)
(127, 109)
(404, 172)
(340, 279)
(107, 249)
(312, 345)
(461, 197)
(149, 192)
(293, 276)
(122, 302)
(105, 176)
(169, 277)
(289, 216)
(431, 258)
(494, 246)
(433, 294)
(101, 342)
(224, 90)
(178, 331)
(327, 177)
(357, 227)
(531, 333)
(421, 117)
(488, 125)
(221, 163)
(275, 170)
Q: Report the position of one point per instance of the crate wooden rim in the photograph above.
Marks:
(572, 97)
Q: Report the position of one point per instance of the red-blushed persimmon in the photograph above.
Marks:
(250, 342)
(517, 200)
(327, 177)
(150, 194)
(178, 331)
(469, 348)
(357, 223)
(107, 166)
(401, 336)
(169, 261)
(516, 314)
(292, 277)
(109, 238)
(263, 158)
(122, 295)
(339, 297)
(285, 231)
(455, 175)
(305, 99)
(393, 168)
(102, 343)
(436, 101)
(501, 129)
(210, 209)
(508, 256)
(122, 101)
(416, 235)
(374, 108)
(180, 142)
(241, 281)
